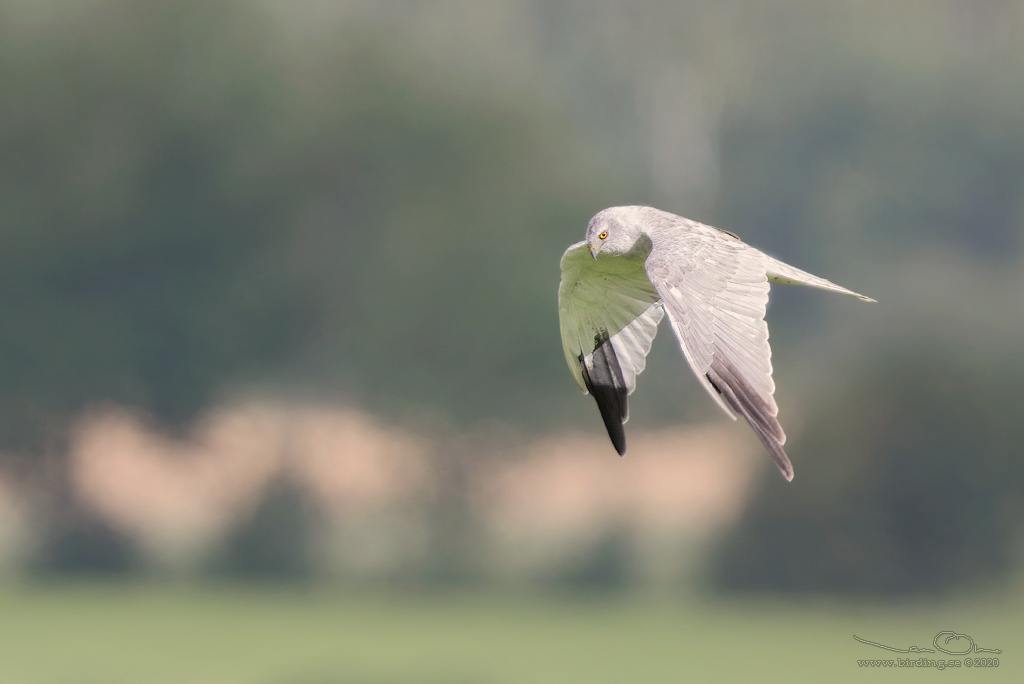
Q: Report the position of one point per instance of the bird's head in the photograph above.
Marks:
(614, 231)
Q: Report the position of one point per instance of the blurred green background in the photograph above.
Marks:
(281, 391)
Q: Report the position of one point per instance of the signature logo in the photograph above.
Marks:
(961, 641)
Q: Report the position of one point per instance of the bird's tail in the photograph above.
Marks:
(784, 273)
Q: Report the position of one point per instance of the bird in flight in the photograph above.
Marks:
(638, 263)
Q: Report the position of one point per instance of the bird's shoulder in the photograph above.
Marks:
(688, 247)
(666, 225)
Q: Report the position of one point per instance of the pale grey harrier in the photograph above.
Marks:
(639, 262)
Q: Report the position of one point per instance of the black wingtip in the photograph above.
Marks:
(611, 401)
(605, 383)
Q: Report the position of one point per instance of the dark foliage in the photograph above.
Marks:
(79, 543)
(910, 483)
(277, 543)
(604, 567)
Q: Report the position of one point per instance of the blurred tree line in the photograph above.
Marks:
(187, 208)
(916, 475)
(194, 204)
(140, 221)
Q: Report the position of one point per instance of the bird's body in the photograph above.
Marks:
(639, 263)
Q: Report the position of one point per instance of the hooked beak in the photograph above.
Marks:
(593, 252)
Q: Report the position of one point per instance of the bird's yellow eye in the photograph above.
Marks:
(603, 235)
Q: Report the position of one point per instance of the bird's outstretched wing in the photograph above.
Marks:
(715, 290)
(609, 313)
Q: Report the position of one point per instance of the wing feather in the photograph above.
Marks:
(715, 291)
(608, 313)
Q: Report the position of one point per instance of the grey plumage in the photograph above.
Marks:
(639, 263)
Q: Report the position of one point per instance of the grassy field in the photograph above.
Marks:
(140, 634)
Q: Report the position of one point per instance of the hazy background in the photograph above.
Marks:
(282, 397)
